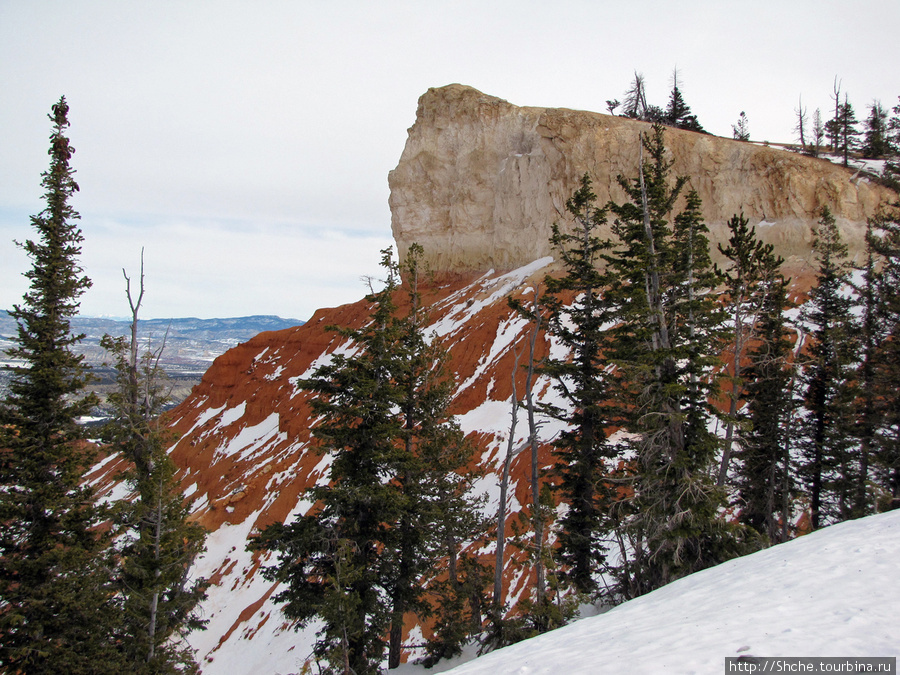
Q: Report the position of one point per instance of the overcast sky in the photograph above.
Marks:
(246, 145)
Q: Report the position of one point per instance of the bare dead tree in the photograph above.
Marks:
(800, 127)
(835, 127)
(537, 321)
(497, 602)
(635, 104)
(818, 133)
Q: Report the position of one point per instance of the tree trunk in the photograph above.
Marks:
(395, 640)
(540, 583)
(501, 507)
(157, 572)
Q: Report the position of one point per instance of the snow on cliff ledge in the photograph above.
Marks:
(831, 593)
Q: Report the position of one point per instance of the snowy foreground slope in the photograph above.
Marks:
(835, 592)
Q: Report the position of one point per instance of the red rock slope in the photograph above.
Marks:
(244, 449)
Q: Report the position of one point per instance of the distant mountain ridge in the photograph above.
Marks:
(191, 344)
(231, 328)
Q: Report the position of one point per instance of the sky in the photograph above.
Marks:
(245, 146)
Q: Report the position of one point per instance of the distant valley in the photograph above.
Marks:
(191, 344)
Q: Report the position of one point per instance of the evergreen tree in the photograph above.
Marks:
(678, 113)
(459, 597)
(360, 560)
(894, 130)
(872, 332)
(329, 559)
(433, 483)
(58, 612)
(158, 543)
(876, 143)
(831, 464)
(741, 130)
(578, 317)
(666, 346)
(749, 280)
(764, 473)
(818, 134)
(847, 133)
(891, 169)
(885, 366)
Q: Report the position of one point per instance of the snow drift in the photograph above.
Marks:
(830, 593)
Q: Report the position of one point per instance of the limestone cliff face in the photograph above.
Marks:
(481, 181)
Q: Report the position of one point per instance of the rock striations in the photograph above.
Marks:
(478, 185)
(246, 459)
(481, 181)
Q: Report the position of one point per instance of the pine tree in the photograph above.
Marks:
(749, 280)
(158, 543)
(818, 134)
(894, 130)
(764, 474)
(434, 486)
(885, 365)
(873, 330)
(58, 612)
(666, 346)
(741, 130)
(329, 559)
(678, 113)
(876, 143)
(360, 560)
(578, 318)
(847, 132)
(891, 169)
(830, 465)
(459, 598)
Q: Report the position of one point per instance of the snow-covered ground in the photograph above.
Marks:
(831, 593)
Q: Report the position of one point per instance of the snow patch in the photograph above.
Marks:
(232, 415)
(498, 288)
(254, 438)
(830, 593)
(276, 374)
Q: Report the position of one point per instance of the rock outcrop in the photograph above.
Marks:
(481, 181)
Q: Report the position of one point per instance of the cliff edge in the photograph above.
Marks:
(481, 181)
